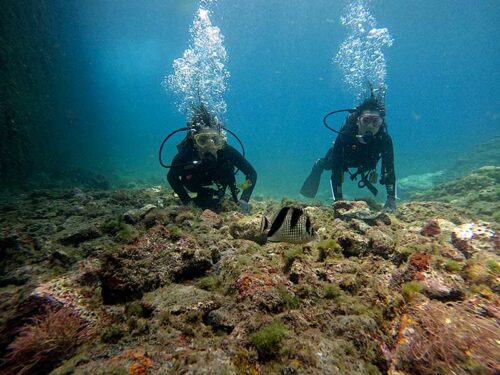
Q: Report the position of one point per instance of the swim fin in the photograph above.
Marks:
(311, 184)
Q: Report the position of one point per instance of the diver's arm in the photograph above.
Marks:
(243, 165)
(388, 174)
(174, 179)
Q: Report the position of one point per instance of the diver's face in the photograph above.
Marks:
(209, 142)
(369, 122)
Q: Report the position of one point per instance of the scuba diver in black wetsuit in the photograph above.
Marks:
(363, 140)
(205, 164)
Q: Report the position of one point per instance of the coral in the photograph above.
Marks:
(269, 340)
(49, 339)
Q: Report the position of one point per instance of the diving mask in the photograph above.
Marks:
(368, 125)
(209, 142)
(369, 120)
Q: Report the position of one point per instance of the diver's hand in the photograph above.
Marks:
(390, 204)
(244, 206)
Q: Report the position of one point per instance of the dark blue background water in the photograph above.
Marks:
(443, 81)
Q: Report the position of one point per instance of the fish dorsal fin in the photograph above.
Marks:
(278, 221)
(296, 214)
(264, 224)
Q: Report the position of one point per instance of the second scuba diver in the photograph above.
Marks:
(362, 141)
(205, 164)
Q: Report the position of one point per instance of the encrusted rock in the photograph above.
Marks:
(248, 228)
(353, 244)
(262, 289)
(431, 229)
(177, 299)
(442, 286)
(211, 218)
(77, 230)
(348, 210)
(135, 215)
(149, 264)
(471, 238)
(380, 243)
(223, 319)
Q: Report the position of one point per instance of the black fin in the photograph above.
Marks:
(278, 221)
(296, 214)
(311, 184)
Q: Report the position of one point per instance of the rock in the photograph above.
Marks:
(211, 218)
(77, 230)
(353, 244)
(431, 229)
(261, 289)
(178, 299)
(348, 210)
(18, 276)
(62, 257)
(471, 238)
(419, 213)
(441, 286)
(380, 243)
(135, 215)
(222, 319)
(248, 228)
(150, 263)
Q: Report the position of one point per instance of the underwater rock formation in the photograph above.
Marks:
(160, 288)
(478, 192)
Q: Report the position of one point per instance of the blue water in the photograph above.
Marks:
(442, 75)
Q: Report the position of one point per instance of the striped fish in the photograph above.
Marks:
(289, 224)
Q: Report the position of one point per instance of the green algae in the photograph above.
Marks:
(290, 255)
(328, 248)
(411, 288)
(332, 291)
(492, 266)
(211, 282)
(269, 340)
(175, 232)
(291, 301)
(452, 265)
(113, 334)
(134, 309)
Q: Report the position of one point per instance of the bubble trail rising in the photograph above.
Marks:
(360, 57)
(200, 75)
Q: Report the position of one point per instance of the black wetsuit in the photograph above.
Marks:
(192, 173)
(349, 152)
